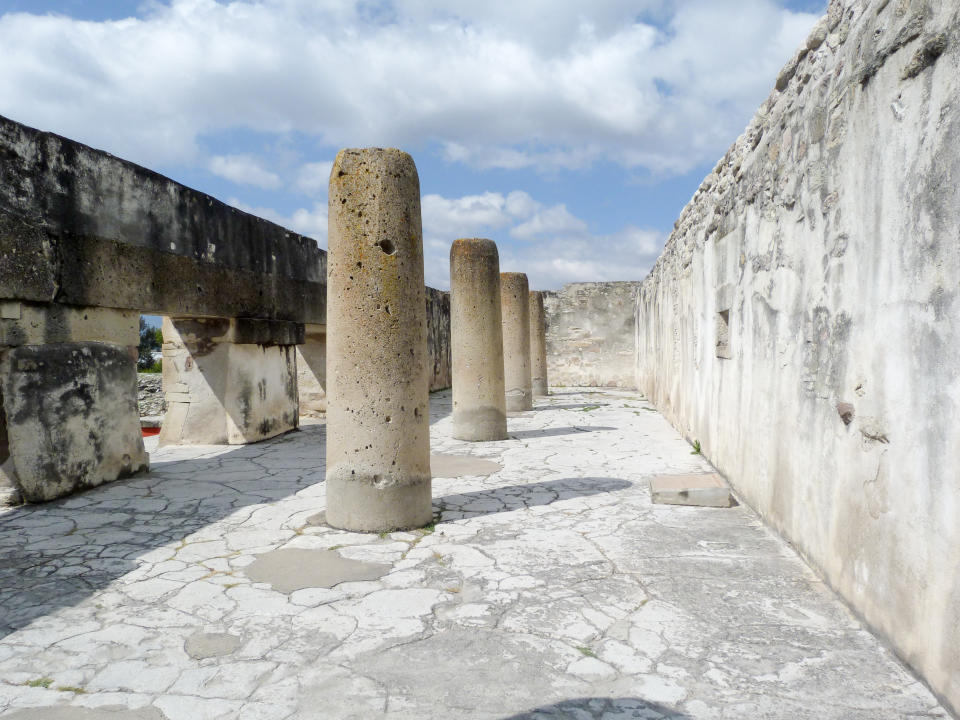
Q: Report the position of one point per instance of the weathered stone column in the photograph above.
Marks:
(479, 405)
(312, 370)
(228, 381)
(68, 398)
(538, 344)
(378, 441)
(515, 308)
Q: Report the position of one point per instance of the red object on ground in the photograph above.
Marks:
(150, 432)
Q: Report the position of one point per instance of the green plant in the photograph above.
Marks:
(588, 408)
(586, 651)
(43, 682)
(696, 448)
(71, 688)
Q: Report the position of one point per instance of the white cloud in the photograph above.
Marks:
(314, 178)
(311, 222)
(243, 170)
(556, 220)
(566, 250)
(496, 84)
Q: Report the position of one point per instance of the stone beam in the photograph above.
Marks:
(81, 227)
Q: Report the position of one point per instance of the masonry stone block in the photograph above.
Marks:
(378, 442)
(70, 411)
(479, 402)
(228, 381)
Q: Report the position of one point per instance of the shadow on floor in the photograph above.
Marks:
(54, 555)
(552, 432)
(571, 406)
(599, 708)
(517, 497)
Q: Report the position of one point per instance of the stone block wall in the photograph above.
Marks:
(591, 334)
(803, 322)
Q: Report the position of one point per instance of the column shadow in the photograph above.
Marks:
(553, 432)
(598, 708)
(516, 497)
(54, 555)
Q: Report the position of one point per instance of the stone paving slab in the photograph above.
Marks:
(700, 489)
(552, 588)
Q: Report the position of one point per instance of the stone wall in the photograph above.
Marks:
(81, 227)
(803, 322)
(438, 338)
(591, 334)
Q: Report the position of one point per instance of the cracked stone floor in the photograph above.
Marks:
(552, 588)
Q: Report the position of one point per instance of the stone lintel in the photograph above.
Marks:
(240, 331)
(25, 323)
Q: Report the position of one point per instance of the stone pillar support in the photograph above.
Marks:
(538, 344)
(515, 308)
(378, 442)
(68, 398)
(479, 404)
(312, 370)
(228, 381)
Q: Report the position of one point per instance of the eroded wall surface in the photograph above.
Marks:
(81, 227)
(803, 322)
(591, 334)
(438, 338)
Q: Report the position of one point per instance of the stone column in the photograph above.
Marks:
(228, 381)
(68, 398)
(312, 370)
(479, 405)
(378, 415)
(515, 307)
(538, 344)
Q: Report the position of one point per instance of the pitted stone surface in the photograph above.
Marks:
(552, 588)
(378, 477)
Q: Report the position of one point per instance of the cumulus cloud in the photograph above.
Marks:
(501, 84)
(243, 170)
(313, 178)
(566, 250)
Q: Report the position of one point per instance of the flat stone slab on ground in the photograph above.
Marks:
(444, 465)
(700, 489)
(552, 588)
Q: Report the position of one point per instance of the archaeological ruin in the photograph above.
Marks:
(800, 331)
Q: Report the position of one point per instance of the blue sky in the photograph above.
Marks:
(571, 133)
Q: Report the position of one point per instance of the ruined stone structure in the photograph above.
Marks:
(378, 437)
(538, 344)
(515, 309)
(87, 243)
(479, 402)
(591, 334)
(803, 323)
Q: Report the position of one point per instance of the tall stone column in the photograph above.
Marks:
(515, 308)
(228, 381)
(378, 441)
(479, 405)
(538, 344)
(68, 398)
